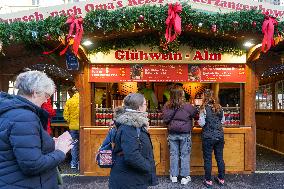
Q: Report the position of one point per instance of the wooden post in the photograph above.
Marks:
(242, 103)
(84, 88)
(249, 117)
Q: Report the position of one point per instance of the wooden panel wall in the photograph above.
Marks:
(270, 130)
(236, 152)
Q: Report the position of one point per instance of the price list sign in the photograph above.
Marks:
(168, 73)
(165, 72)
(109, 73)
(223, 73)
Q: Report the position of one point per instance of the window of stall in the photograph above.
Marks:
(59, 99)
(279, 93)
(263, 99)
(107, 96)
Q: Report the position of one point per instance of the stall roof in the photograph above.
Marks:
(53, 71)
(273, 70)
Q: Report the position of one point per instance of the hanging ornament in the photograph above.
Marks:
(1, 46)
(214, 28)
(34, 34)
(123, 13)
(47, 36)
(141, 18)
(11, 37)
(200, 24)
(235, 24)
(99, 24)
(163, 45)
(189, 27)
(254, 24)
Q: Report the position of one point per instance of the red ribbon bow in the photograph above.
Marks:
(78, 23)
(268, 31)
(74, 22)
(173, 21)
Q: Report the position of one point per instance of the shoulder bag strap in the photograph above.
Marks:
(172, 117)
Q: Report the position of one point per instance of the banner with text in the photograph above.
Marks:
(208, 73)
(83, 7)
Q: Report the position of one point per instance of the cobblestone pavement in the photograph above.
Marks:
(253, 181)
(267, 160)
(264, 178)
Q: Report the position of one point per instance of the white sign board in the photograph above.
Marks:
(81, 8)
(143, 55)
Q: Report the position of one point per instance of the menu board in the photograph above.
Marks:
(217, 73)
(167, 73)
(109, 73)
(138, 72)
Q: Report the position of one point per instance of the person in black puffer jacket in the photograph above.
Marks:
(178, 116)
(28, 155)
(134, 165)
(211, 118)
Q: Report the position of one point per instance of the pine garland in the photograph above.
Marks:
(104, 23)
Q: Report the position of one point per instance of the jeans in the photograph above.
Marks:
(180, 148)
(75, 150)
(208, 145)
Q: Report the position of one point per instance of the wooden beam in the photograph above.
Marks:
(84, 87)
(249, 117)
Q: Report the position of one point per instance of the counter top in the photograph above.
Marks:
(195, 129)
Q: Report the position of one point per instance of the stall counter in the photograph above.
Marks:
(236, 151)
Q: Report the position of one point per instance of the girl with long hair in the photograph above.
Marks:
(178, 116)
(211, 118)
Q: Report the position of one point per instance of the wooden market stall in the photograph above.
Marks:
(130, 53)
(122, 69)
(239, 153)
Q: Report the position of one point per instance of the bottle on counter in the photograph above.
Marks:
(238, 116)
(97, 122)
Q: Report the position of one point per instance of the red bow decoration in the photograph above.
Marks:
(74, 22)
(78, 23)
(268, 31)
(173, 21)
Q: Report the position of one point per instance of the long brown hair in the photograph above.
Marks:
(176, 98)
(209, 99)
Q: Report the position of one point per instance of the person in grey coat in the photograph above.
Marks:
(28, 155)
(134, 165)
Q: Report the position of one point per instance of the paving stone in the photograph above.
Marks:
(266, 161)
